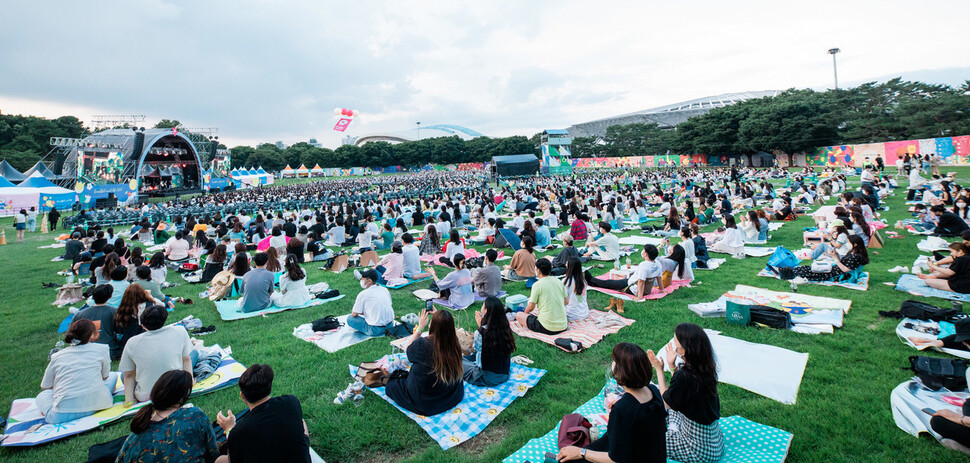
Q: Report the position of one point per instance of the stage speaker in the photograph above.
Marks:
(139, 146)
(106, 203)
(213, 147)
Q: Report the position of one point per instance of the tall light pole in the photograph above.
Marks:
(833, 52)
(419, 129)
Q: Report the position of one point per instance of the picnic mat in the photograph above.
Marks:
(410, 282)
(909, 399)
(588, 331)
(333, 340)
(655, 293)
(766, 370)
(933, 243)
(810, 312)
(229, 308)
(861, 284)
(913, 285)
(940, 328)
(712, 264)
(745, 441)
(640, 240)
(475, 411)
(26, 426)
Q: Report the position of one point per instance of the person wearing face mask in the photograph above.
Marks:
(960, 208)
(693, 432)
(372, 312)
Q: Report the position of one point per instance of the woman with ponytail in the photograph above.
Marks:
(77, 381)
(162, 429)
(434, 383)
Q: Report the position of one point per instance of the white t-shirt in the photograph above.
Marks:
(77, 376)
(412, 260)
(375, 305)
(645, 271)
(152, 353)
(337, 235)
(577, 308)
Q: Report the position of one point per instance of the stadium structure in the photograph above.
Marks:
(437, 130)
(666, 116)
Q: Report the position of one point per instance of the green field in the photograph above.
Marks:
(842, 412)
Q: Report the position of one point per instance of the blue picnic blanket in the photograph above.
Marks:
(744, 440)
(229, 308)
(913, 285)
(410, 282)
(476, 410)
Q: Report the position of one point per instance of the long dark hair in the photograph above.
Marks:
(157, 260)
(698, 355)
(293, 270)
(171, 390)
(219, 254)
(273, 264)
(859, 248)
(859, 220)
(574, 275)
(110, 262)
(432, 234)
(240, 264)
(496, 334)
(753, 217)
(446, 351)
(677, 254)
(127, 311)
(527, 244)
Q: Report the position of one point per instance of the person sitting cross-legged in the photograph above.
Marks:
(272, 430)
(77, 381)
(548, 302)
(494, 343)
(257, 286)
(372, 312)
(148, 355)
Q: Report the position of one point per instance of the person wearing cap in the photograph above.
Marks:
(372, 312)
(837, 238)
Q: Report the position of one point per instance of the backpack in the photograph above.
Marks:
(221, 284)
(923, 311)
(325, 324)
(936, 373)
(783, 258)
(574, 430)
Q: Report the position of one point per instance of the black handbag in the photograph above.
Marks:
(936, 373)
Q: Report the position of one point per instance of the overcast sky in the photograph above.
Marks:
(265, 71)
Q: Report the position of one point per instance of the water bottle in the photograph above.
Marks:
(616, 264)
(629, 263)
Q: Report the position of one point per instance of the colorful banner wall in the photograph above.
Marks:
(952, 151)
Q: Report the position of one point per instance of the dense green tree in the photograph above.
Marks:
(167, 123)
(239, 155)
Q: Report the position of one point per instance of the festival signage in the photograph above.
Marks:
(88, 193)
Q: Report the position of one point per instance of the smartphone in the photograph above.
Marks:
(428, 306)
(929, 411)
(551, 458)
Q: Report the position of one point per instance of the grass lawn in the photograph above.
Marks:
(842, 412)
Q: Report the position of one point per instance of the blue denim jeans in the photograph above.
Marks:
(358, 323)
(45, 401)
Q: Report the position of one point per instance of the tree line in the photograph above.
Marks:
(794, 121)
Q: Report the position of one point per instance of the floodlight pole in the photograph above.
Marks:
(419, 129)
(835, 71)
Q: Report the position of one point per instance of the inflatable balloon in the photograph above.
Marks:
(346, 112)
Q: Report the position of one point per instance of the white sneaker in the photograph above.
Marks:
(357, 274)
(899, 269)
(799, 281)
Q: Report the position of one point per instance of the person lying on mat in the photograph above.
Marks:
(293, 291)
(489, 366)
(960, 340)
(954, 278)
(575, 284)
(692, 399)
(164, 428)
(146, 356)
(434, 383)
(78, 381)
(548, 302)
(606, 246)
(456, 287)
(272, 430)
(523, 265)
(257, 286)
(643, 278)
(637, 423)
(372, 312)
(487, 280)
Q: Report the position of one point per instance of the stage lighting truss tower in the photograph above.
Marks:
(110, 121)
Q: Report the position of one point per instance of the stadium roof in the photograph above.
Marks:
(666, 116)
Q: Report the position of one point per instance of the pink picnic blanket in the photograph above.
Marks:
(584, 331)
(655, 293)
